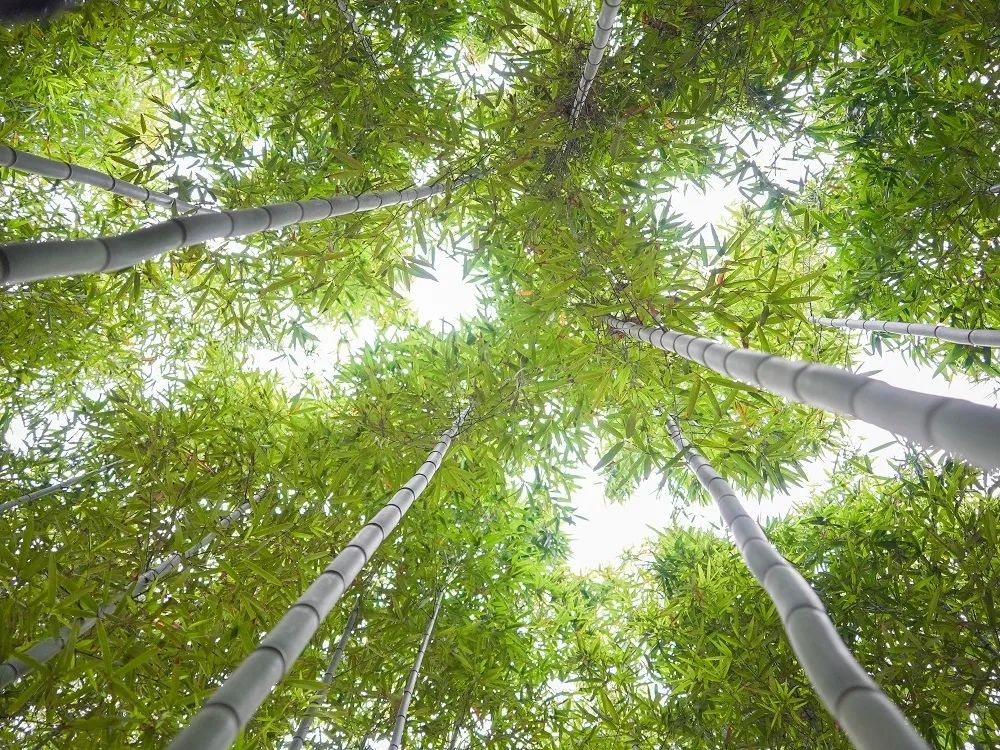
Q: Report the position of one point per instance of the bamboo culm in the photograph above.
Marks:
(870, 719)
(298, 740)
(989, 337)
(64, 170)
(602, 37)
(229, 709)
(352, 22)
(411, 682)
(14, 668)
(54, 488)
(951, 424)
(32, 261)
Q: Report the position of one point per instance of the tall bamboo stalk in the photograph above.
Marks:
(54, 488)
(14, 668)
(31, 261)
(313, 711)
(870, 719)
(218, 723)
(602, 37)
(352, 22)
(971, 336)
(411, 682)
(64, 170)
(952, 424)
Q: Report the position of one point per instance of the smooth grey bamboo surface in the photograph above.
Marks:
(14, 668)
(602, 37)
(298, 740)
(54, 488)
(32, 261)
(870, 719)
(952, 424)
(231, 706)
(411, 682)
(352, 22)
(969, 336)
(64, 170)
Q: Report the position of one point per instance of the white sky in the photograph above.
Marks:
(447, 300)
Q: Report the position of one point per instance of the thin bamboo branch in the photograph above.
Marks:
(32, 261)
(456, 729)
(870, 719)
(229, 709)
(411, 682)
(970, 336)
(313, 711)
(64, 170)
(15, 668)
(352, 22)
(602, 37)
(710, 29)
(54, 488)
(951, 424)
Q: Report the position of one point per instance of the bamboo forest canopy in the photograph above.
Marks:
(269, 389)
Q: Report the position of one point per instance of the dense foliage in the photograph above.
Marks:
(863, 138)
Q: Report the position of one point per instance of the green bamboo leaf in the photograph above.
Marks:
(608, 457)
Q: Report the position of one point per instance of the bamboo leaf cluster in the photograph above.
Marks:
(739, 169)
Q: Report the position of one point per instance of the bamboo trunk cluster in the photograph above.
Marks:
(298, 740)
(352, 22)
(14, 668)
(970, 336)
(951, 424)
(411, 682)
(229, 709)
(64, 170)
(602, 37)
(870, 719)
(54, 488)
(32, 261)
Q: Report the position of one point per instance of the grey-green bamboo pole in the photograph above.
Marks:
(219, 722)
(411, 682)
(602, 37)
(870, 719)
(54, 488)
(31, 261)
(952, 424)
(64, 170)
(298, 740)
(969, 336)
(14, 668)
(352, 22)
